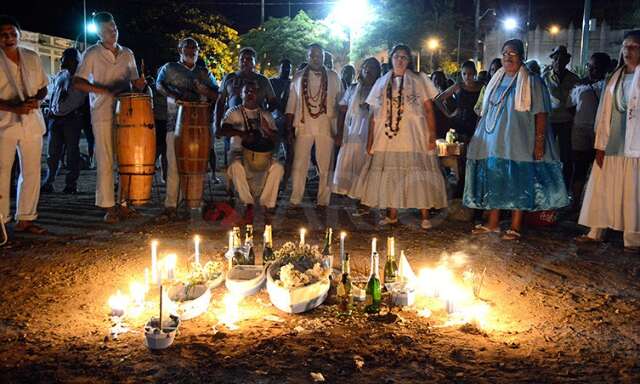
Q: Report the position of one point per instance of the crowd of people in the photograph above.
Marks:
(536, 139)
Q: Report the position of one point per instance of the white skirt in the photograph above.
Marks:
(612, 197)
(351, 158)
(401, 180)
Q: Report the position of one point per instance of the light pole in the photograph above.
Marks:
(584, 39)
(476, 34)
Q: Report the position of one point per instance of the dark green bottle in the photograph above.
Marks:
(374, 289)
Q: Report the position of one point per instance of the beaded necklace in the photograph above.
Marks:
(389, 129)
(500, 103)
(245, 118)
(319, 105)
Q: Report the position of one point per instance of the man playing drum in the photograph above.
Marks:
(181, 81)
(253, 132)
(107, 69)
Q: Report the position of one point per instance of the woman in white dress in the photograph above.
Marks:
(612, 198)
(353, 129)
(403, 170)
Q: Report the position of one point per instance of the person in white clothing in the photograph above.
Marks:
(23, 84)
(251, 127)
(311, 111)
(181, 81)
(612, 197)
(353, 129)
(106, 70)
(403, 171)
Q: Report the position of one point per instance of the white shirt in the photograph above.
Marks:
(585, 98)
(100, 67)
(234, 117)
(20, 83)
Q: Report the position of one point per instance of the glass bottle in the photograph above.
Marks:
(250, 256)
(267, 251)
(373, 290)
(238, 253)
(391, 265)
(344, 289)
(327, 251)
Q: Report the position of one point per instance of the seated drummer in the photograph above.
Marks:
(181, 81)
(252, 128)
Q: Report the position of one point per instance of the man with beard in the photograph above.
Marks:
(251, 127)
(106, 70)
(181, 81)
(232, 84)
(311, 110)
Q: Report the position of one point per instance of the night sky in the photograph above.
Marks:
(64, 17)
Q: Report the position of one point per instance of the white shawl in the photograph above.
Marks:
(523, 89)
(603, 117)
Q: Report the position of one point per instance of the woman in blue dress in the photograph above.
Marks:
(512, 160)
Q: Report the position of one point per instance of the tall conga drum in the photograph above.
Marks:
(192, 144)
(135, 146)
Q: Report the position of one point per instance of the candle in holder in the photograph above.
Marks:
(343, 234)
(302, 233)
(196, 241)
(374, 245)
(154, 261)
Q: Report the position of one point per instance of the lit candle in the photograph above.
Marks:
(343, 234)
(302, 233)
(374, 243)
(146, 280)
(118, 304)
(196, 241)
(230, 240)
(170, 263)
(136, 291)
(154, 261)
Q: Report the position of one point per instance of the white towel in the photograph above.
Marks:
(523, 89)
(603, 117)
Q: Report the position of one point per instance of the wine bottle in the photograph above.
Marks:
(343, 295)
(327, 251)
(250, 256)
(391, 265)
(267, 252)
(238, 254)
(373, 290)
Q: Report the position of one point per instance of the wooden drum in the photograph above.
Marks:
(192, 144)
(135, 146)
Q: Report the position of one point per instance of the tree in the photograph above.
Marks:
(285, 37)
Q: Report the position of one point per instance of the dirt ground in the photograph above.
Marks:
(558, 314)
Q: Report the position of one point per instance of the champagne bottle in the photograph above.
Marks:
(250, 256)
(390, 265)
(327, 251)
(267, 252)
(374, 290)
(238, 254)
(343, 295)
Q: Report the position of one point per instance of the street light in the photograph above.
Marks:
(350, 16)
(510, 24)
(554, 29)
(92, 28)
(433, 44)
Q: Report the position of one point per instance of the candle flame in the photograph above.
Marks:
(231, 313)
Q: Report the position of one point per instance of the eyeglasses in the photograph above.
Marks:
(509, 54)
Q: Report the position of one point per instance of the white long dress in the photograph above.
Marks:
(353, 151)
(402, 172)
(612, 197)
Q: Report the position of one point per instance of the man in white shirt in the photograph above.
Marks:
(107, 69)
(181, 81)
(23, 84)
(311, 114)
(249, 126)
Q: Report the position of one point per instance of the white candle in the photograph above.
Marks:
(342, 237)
(196, 240)
(170, 263)
(230, 240)
(302, 233)
(154, 261)
(374, 243)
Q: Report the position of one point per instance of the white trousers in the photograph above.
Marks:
(173, 177)
(631, 239)
(249, 183)
(29, 153)
(105, 160)
(302, 156)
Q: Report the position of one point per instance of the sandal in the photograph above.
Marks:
(29, 227)
(426, 224)
(511, 234)
(387, 221)
(584, 239)
(481, 229)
